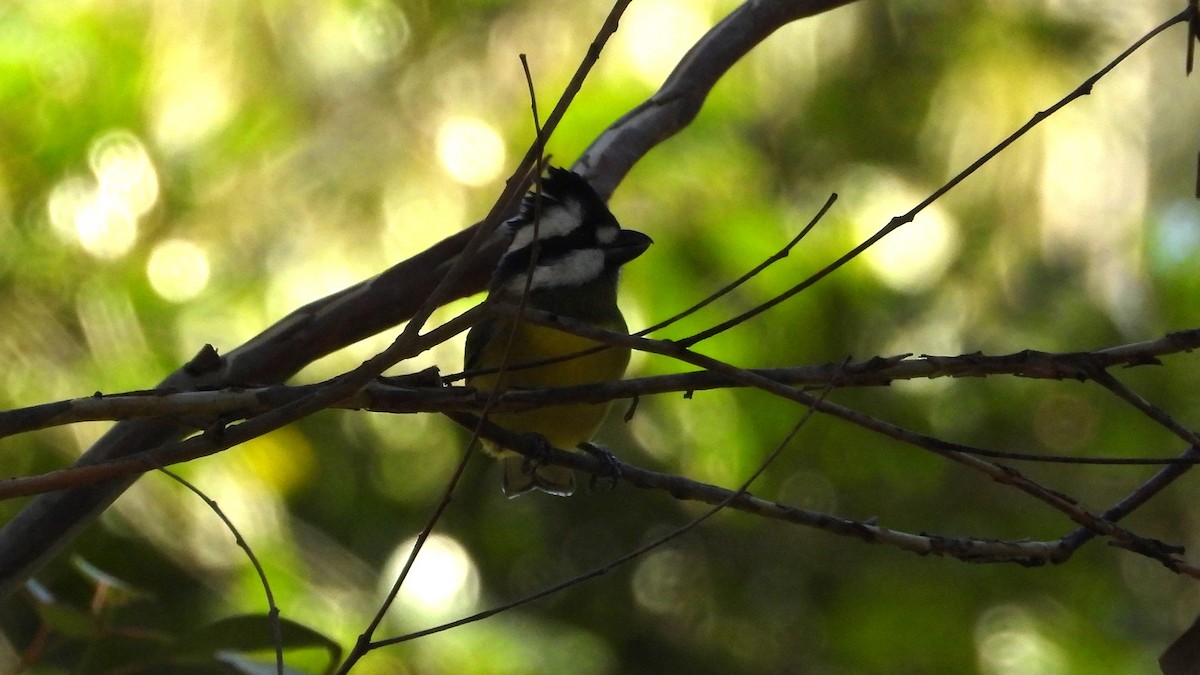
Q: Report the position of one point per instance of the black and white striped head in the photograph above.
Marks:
(577, 239)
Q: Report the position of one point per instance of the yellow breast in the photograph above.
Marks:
(564, 426)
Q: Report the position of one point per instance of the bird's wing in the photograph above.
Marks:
(477, 339)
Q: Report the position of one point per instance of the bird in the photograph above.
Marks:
(565, 253)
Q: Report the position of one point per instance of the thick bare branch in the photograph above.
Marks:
(422, 392)
(679, 100)
(46, 525)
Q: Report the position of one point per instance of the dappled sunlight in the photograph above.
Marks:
(302, 278)
(442, 583)
(802, 53)
(182, 526)
(195, 86)
(177, 269)
(177, 174)
(1013, 640)
(1099, 222)
(940, 327)
(420, 211)
(414, 455)
(344, 43)
(1174, 237)
(100, 213)
(667, 583)
(115, 336)
(914, 257)
(470, 150)
(655, 34)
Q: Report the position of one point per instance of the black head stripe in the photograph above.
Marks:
(566, 203)
(568, 220)
(515, 263)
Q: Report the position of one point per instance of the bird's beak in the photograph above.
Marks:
(628, 245)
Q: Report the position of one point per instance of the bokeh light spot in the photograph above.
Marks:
(124, 171)
(1008, 641)
(444, 580)
(104, 228)
(668, 583)
(419, 213)
(471, 151)
(177, 269)
(656, 33)
(380, 31)
(914, 257)
(1176, 236)
(101, 214)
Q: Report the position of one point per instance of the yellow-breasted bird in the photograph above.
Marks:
(570, 268)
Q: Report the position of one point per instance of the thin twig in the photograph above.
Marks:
(704, 302)
(1082, 90)
(600, 570)
(272, 608)
(420, 392)
(536, 154)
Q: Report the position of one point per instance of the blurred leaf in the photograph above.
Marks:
(250, 633)
(69, 620)
(117, 591)
(1183, 656)
(241, 664)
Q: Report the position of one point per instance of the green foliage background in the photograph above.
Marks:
(295, 150)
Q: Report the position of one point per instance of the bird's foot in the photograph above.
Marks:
(540, 448)
(614, 464)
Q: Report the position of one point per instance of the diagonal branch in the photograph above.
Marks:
(679, 100)
(49, 522)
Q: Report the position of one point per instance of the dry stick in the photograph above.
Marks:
(219, 437)
(537, 151)
(378, 397)
(1082, 90)
(1134, 500)
(362, 644)
(45, 525)
(1193, 36)
(758, 269)
(966, 549)
(418, 392)
(678, 101)
(22, 553)
(712, 297)
(1160, 480)
(48, 523)
(951, 451)
(611, 156)
(117, 473)
(1106, 380)
(515, 185)
(636, 553)
(272, 608)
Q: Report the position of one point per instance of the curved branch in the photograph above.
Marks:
(678, 101)
(45, 525)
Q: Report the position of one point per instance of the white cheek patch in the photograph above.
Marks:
(556, 220)
(572, 269)
(607, 234)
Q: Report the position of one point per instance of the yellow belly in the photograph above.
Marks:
(564, 426)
